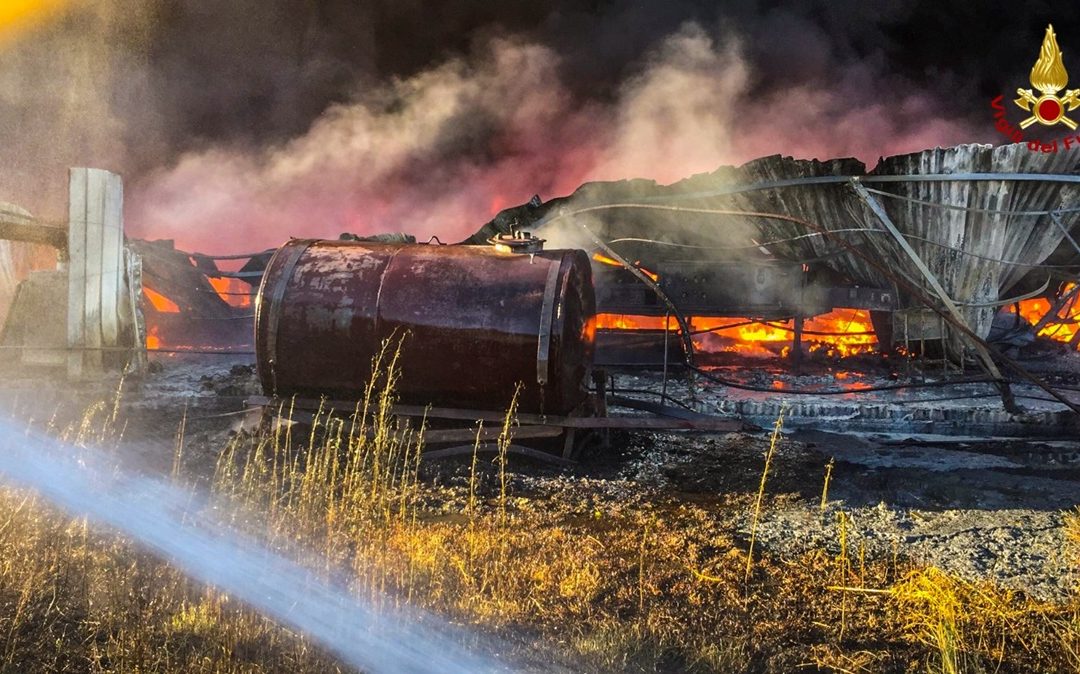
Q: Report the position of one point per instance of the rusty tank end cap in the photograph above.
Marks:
(517, 241)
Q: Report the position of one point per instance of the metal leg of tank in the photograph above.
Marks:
(568, 443)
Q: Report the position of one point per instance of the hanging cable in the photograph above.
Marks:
(766, 244)
(727, 248)
(969, 209)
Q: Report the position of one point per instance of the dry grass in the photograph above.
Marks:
(1069, 627)
(769, 453)
(825, 485)
(605, 584)
(73, 599)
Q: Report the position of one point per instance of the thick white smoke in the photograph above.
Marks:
(404, 157)
(158, 516)
(434, 153)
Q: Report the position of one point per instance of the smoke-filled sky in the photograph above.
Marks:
(238, 124)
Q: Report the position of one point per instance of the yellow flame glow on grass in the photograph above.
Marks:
(16, 16)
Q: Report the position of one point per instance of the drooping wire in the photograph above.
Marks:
(766, 244)
(970, 209)
(634, 239)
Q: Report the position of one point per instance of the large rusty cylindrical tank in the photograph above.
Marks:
(476, 321)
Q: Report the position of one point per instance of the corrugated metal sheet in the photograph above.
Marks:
(990, 251)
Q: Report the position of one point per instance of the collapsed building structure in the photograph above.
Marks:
(932, 254)
(767, 240)
(924, 255)
(779, 237)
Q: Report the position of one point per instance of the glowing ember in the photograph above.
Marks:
(588, 331)
(844, 332)
(161, 303)
(1033, 311)
(170, 326)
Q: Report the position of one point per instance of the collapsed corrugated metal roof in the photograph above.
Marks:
(979, 237)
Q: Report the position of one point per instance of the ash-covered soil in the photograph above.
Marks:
(977, 509)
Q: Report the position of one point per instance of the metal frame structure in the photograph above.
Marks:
(530, 426)
(948, 314)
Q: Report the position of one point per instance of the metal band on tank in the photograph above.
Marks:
(287, 269)
(378, 293)
(566, 270)
(543, 351)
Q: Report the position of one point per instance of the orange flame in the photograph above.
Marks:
(1033, 311)
(160, 302)
(233, 292)
(153, 341)
(849, 332)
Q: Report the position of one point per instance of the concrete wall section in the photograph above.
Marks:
(96, 288)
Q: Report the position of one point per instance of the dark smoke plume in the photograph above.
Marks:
(237, 124)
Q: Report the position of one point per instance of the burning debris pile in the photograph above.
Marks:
(828, 253)
(192, 304)
(776, 257)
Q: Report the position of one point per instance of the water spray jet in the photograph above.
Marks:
(159, 517)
